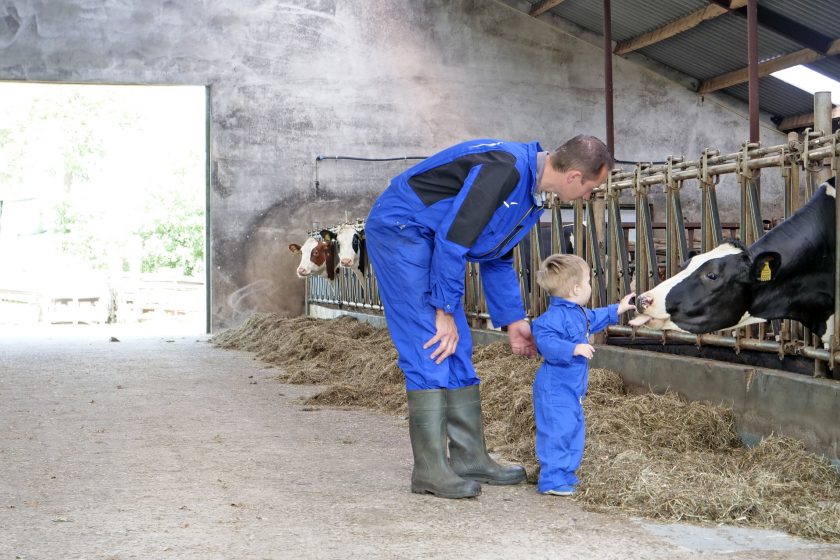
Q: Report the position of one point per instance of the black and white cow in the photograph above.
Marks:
(352, 253)
(787, 274)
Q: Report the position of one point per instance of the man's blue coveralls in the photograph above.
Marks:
(560, 386)
(472, 202)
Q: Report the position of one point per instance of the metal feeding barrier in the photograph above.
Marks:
(634, 255)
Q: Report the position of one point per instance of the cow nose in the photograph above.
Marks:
(346, 262)
(643, 302)
(301, 271)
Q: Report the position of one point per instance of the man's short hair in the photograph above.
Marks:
(559, 273)
(583, 153)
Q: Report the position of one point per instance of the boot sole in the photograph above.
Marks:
(492, 481)
(451, 496)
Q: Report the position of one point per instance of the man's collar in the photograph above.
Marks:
(542, 161)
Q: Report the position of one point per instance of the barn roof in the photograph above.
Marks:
(706, 43)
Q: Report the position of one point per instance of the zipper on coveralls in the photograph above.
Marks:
(509, 236)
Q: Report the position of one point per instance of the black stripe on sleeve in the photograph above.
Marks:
(446, 180)
(492, 185)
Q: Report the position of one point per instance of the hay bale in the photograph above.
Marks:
(655, 456)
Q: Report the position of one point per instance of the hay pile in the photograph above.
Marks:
(655, 456)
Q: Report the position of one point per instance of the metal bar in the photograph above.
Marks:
(621, 243)
(650, 245)
(639, 246)
(670, 231)
(617, 280)
(752, 63)
(745, 231)
(822, 122)
(716, 340)
(716, 231)
(537, 297)
(595, 254)
(608, 76)
(755, 209)
(580, 238)
(518, 266)
(558, 242)
(720, 169)
(679, 224)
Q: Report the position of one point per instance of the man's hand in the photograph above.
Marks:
(585, 350)
(624, 305)
(521, 340)
(447, 335)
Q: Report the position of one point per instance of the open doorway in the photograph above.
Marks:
(103, 206)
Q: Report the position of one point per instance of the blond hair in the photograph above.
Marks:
(559, 273)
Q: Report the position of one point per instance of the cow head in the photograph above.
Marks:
(713, 291)
(349, 245)
(317, 257)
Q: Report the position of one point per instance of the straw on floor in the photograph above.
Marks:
(655, 456)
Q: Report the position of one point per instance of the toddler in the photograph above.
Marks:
(562, 338)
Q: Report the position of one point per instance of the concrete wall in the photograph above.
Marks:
(372, 78)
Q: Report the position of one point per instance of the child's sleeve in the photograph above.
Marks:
(551, 345)
(602, 317)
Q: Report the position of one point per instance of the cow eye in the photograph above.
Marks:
(711, 276)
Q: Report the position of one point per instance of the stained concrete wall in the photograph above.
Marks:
(371, 78)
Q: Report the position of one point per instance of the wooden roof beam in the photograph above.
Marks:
(801, 121)
(667, 31)
(740, 76)
(542, 7)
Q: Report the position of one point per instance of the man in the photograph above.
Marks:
(474, 201)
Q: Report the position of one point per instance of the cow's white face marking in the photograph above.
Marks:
(306, 266)
(829, 332)
(829, 190)
(347, 257)
(747, 319)
(655, 315)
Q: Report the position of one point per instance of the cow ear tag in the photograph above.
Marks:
(765, 275)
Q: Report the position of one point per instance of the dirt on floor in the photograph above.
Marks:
(157, 446)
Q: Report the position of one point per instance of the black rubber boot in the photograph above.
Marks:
(467, 450)
(427, 426)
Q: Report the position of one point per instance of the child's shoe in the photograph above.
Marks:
(563, 490)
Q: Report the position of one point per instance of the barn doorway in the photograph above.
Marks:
(103, 207)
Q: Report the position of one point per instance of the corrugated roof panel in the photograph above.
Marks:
(716, 47)
(822, 16)
(777, 97)
(719, 45)
(630, 18)
(827, 67)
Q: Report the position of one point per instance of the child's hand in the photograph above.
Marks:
(586, 350)
(624, 305)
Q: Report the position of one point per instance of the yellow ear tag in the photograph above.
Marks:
(765, 272)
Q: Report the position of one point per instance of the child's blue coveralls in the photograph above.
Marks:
(560, 386)
(472, 202)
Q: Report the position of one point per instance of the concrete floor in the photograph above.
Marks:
(166, 447)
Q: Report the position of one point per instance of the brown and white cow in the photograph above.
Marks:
(787, 274)
(317, 256)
